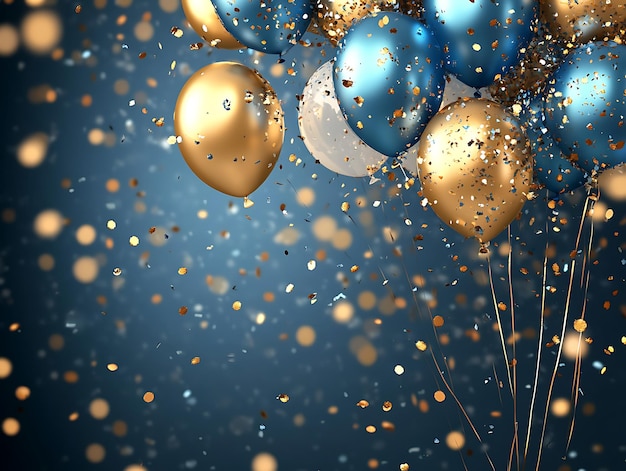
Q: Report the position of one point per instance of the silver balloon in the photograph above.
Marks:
(326, 135)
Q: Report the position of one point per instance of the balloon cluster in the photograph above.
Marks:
(541, 102)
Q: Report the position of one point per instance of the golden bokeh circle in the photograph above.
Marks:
(6, 367)
(264, 462)
(10, 426)
(48, 224)
(99, 408)
(85, 269)
(41, 31)
(31, 152)
(305, 336)
(95, 453)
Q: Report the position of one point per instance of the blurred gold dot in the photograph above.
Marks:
(169, 6)
(455, 440)
(112, 367)
(573, 345)
(438, 321)
(70, 377)
(86, 100)
(135, 467)
(305, 336)
(10, 426)
(121, 87)
(287, 236)
(612, 183)
(95, 453)
(86, 234)
(73, 417)
(148, 397)
(95, 136)
(8, 215)
(99, 408)
(366, 300)
(305, 196)
(56, 342)
(48, 224)
(366, 354)
(85, 269)
(217, 284)
(112, 185)
(120, 429)
(22, 392)
(45, 262)
(264, 462)
(343, 312)
(324, 228)
(372, 463)
(41, 31)
(9, 39)
(342, 239)
(156, 298)
(370, 429)
(144, 31)
(5, 367)
(333, 410)
(439, 396)
(34, 3)
(31, 152)
(203, 214)
(560, 407)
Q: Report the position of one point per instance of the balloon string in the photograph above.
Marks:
(469, 421)
(514, 361)
(539, 347)
(501, 332)
(578, 365)
(556, 364)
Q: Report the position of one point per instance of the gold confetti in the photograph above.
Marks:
(363, 404)
(182, 271)
(236, 305)
(195, 360)
(404, 467)
(370, 429)
(580, 325)
(345, 206)
(283, 398)
(148, 397)
(112, 367)
(421, 345)
(387, 406)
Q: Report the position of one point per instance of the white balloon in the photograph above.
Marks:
(325, 132)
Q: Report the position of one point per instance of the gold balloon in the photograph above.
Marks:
(475, 167)
(333, 18)
(230, 127)
(205, 21)
(584, 20)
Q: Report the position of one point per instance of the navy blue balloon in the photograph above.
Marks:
(586, 107)
(481, 38)
(553, 170)
(271, 26)
(389, 80)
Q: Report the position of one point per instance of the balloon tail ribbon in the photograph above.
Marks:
(539, 348)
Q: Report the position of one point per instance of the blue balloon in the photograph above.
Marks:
(389, 80)
(552, 168)
(481, 38)
(271, 26)
(586, 107)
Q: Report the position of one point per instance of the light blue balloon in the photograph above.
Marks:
(271, 26)
(586, 106)
(481, 38)
(389, 80)
(552, 168)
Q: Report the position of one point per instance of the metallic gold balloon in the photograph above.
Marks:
(230, 127)
(204, 20)
(475, 167)
(584, 20)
